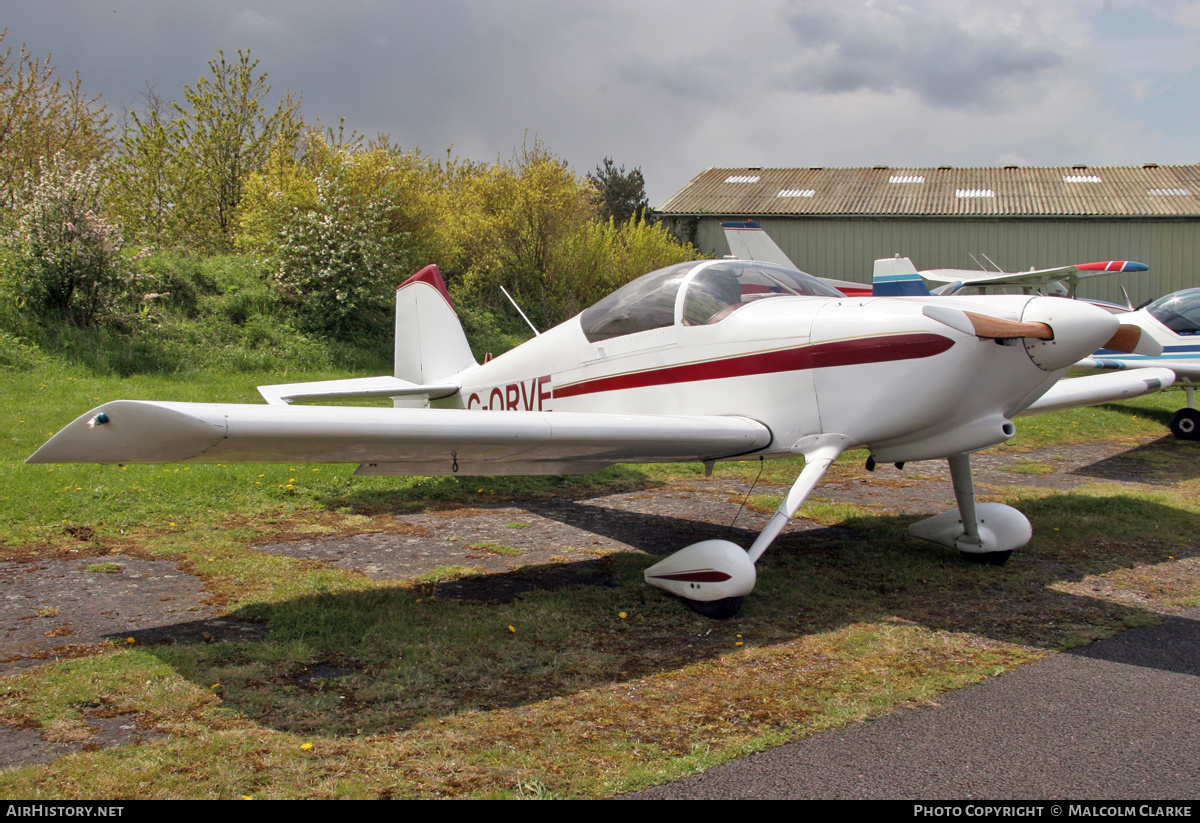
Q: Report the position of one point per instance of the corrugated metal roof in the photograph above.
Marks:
(1076, 191)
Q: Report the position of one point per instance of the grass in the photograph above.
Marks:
(364, 688)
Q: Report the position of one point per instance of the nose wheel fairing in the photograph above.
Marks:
(976, 530)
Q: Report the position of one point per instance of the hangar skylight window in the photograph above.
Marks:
(797, 193)
(742, 178)
(1081, 178)
(974, 193)
(1168, 192)
(907, 178)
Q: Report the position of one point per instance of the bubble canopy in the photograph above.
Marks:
(695, 293)
(1179, 312)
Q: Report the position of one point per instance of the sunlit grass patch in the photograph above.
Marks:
(1029, 467)
(818, 509)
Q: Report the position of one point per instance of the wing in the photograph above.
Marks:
(394, 441)
(1077, 392)
(988, 278)
(1032, 278)
(1184, 365)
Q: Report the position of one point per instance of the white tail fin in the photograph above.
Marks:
(749, 241)
(430, 343)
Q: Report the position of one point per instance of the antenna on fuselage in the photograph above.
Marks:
(536, 333)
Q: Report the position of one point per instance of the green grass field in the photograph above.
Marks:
(579, 692)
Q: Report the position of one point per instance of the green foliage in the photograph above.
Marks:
(620, 196)
(530, 226)
(146, 177)
(69, 255)
(180, 172)
(339, 261)
(40, 118)
(225, 134)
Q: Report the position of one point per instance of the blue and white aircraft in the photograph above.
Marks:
(1173, 321)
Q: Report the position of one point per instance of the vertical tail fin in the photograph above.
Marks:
(430, 342)
(750, 241)
(897, 277)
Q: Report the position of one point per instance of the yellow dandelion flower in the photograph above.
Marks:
(622, 615)
(130, 640)
(512, 629)
(305, 746)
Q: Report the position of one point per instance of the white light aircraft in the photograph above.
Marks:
(701, 361)
(1174, 322)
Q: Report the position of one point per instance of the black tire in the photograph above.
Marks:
(722, 609)
(987, 558)
(1185, 424)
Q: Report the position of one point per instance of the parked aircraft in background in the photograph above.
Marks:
(701, 361)
(750, 241)
(1173, 321)
(1060, 282)
(898, 277)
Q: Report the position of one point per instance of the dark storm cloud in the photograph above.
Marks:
(936, 56)
(671, 86)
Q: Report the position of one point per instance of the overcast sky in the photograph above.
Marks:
(675, 87)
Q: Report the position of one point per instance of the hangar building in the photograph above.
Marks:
(835, 222)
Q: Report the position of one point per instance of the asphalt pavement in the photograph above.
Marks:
(1117, 719)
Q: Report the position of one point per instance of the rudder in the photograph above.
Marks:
(430, 342)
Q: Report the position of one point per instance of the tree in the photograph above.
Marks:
(40, 117)
(71, 264)
(619, 196)
(505, 223)
(531, 225)
(146, 178)
(182, 177)
(344, 239)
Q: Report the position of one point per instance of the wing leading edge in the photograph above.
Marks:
(394, 441)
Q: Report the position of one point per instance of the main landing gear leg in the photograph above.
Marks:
(1185, 423)
(982, 532)
(714, 576)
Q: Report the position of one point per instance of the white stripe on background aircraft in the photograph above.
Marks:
(697, 362)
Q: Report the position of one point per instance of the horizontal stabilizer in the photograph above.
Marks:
(1077, 392)
(281, 394)
(135, 431)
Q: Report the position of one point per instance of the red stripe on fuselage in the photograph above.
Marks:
(818, 356)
